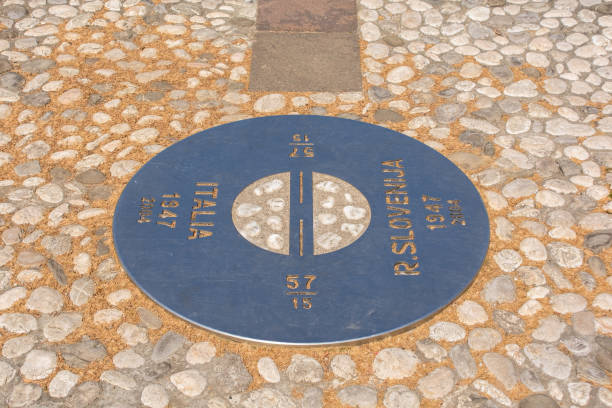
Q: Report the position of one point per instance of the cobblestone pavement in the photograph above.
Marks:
(516, 92)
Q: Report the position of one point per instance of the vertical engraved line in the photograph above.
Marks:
(301, 237)
(301, 187)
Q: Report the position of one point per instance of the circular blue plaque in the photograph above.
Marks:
(301, 230)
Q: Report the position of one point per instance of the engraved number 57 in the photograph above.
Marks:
(294, 283)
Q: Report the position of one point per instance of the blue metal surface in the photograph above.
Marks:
(226, 284)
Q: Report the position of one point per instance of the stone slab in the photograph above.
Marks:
(293, 62)
(307, 16)
(301, 230)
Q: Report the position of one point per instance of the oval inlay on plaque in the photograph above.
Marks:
(301, 230)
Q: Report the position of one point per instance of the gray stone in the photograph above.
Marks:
(166, 346)
(488, 149)
(343, 366)
(597, 266)
(502, 72)
(499, 290)
(99, 192)
(519, 188)
(204, 34)
(32, 214)
(304, 369)
(13, 11)
(106, 270)
(18, 346)
(84, 394)
(27, 169)
(318, 110)
(18, 322)
(450, 112)
(598, 241)
(502, 368)
(471, 313)
(7, 373)
(394, 363)
(568, 303)
(312, 397)
(554, 273)
(531, 381)
(604, 359)
(431, 350)
(38, 364)
(154, 396)
(605, 342)
(114, 396)
(10, 236)
(463, 361)
(91, 176)
(268, 370)
(508, 321)
(549, 359)
(437, 384)
(359, 396)
(576, 345)
(538, 401)
(565, 255)
(549, 330)
(446, 331)
(12, 81)
(5, 278)
(81, 291)
(79, 355)
(128, 359)
(387, 115)
(62, 383)
(379, 94)
(24, 394)
(531, 276)
(130, 333)
(7, 252)
(591, 371)
(36, 150)
(584, 323)
(510, 105)
(473, 137)
(467, 161)
(228, 375)
(568, 167)
(120, 380)
(5, 65)
(60, 326)
(200, 353)
(604, 8)
(60, 175)
(438, 69)
(36, 99)
(58, 270)
(37, 65)
(579, 392)
(45, 300)
(483, 339)
(587, 280)
(267, 398)
(400, 396)
(148, 318)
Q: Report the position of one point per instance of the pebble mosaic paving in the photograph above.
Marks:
(517, 93)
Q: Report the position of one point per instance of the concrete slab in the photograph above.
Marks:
(305, 62)
(307, 15)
